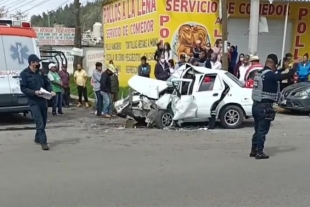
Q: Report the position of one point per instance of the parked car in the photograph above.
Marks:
(296, 97)
(194, 95)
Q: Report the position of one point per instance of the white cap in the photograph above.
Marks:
(51, 65)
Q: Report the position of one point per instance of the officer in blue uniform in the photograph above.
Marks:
(31, 81)
(266, 91)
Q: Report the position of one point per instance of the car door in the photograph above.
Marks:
(5, 92)
(17, 49)
(183, 103)
(207, 93)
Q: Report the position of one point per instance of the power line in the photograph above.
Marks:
(16, 3)
(22, 5)
(10, 3)
(13, 4)
(61, 4)
(34, 6)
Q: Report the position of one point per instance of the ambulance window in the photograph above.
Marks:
(17, 50)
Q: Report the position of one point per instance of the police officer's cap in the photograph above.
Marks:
(274, 58)
(33, 58)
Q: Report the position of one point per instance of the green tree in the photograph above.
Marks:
(89, 14)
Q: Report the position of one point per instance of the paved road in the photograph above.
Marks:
(96, 163)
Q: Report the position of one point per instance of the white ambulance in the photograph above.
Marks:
(17, 41)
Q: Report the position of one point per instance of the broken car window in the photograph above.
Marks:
(207, 83)
(252, 74)
(187, 87)
(236, 80)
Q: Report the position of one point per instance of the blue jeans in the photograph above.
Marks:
(107, 107)
(261, 126)
(99, 102)
(57, 103)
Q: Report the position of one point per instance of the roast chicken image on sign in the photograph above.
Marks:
(187, 36)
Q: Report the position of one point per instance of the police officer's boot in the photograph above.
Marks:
(261, 156)
(253, 152)
(44, 147)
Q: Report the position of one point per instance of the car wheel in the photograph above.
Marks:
(231, 117)
(140, 120)
(164, 119)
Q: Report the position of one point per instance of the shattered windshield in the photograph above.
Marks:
(235, 79)
(169, 81)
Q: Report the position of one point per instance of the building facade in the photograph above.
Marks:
(132, 28)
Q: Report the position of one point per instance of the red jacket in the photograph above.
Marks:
(249, 82)
(257, 66)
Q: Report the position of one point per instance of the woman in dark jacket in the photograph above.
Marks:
(209, 50)
(162, 71)
(159, 51)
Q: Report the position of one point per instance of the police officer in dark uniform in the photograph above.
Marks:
(31, 81)
(266, 91)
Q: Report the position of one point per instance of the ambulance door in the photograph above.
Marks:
(17, 49)
(5, 91)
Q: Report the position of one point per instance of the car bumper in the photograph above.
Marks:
(248, 110)
(296, 104)
(14, 109)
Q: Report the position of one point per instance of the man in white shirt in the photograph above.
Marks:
(244, 68)
(215, 64)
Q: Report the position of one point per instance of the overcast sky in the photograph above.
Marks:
(35, 7)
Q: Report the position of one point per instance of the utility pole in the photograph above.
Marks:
(224, 35)
(48, 18)
(78, 34)
(254, 26)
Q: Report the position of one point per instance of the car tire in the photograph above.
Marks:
(163, 115)
(231, 122)
(140, 120)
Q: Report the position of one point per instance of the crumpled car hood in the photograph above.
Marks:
(147, 86)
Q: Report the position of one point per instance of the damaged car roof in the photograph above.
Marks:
(147, 86)
(153, 87)
(198, 69)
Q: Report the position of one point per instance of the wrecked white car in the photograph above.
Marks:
(192, 94)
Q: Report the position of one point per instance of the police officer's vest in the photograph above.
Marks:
(258, 94)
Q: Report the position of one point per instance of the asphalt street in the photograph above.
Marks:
(97, 163)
